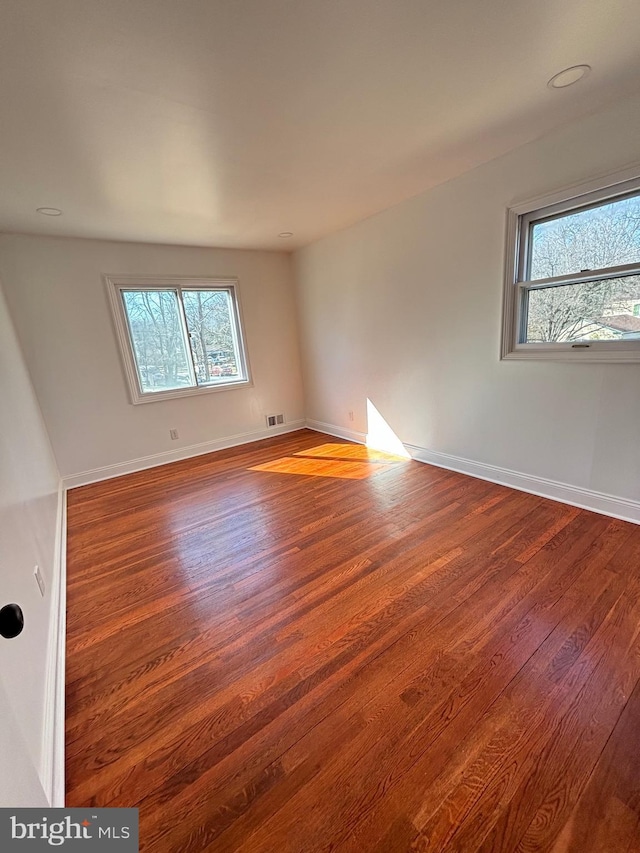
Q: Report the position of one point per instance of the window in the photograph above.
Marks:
(178, 337)
(572, 288)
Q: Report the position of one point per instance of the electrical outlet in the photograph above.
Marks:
(173, 433)
(350, 416)
(39, 579)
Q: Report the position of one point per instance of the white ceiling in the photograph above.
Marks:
(224, 122)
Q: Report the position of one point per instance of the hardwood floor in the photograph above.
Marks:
(299, 645)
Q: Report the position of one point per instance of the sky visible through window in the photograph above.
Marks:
(604, 236)
(595, 238)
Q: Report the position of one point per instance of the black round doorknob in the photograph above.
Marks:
(11, 621)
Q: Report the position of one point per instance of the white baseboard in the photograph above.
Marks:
(94, 475)
(339, 432)
(53, 736)
(616, 507)
(623, 508)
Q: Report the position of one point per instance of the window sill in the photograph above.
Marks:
(592, 355)
(177, 393)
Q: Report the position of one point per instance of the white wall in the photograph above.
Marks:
(58, 300)
(28, 524)
(404, 308)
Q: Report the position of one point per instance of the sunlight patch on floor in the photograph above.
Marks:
(351, 451)
(344, 469)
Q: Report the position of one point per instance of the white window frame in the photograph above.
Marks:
(116, 284)
(517, 285)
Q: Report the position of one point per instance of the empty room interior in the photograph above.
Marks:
(320, 424)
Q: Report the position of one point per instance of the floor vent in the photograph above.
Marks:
(274, 420)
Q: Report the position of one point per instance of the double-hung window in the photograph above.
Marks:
(178, 337)
(572, 289)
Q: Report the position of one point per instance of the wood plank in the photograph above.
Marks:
(302, 645)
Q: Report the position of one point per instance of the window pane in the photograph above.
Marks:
(158, 339)
(210, 319)
(594, 311)
(599, 237)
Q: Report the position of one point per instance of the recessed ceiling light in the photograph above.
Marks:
(569, 76)
(49, 211)
(285, 234)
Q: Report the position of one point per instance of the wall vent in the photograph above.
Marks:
(274, 420)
